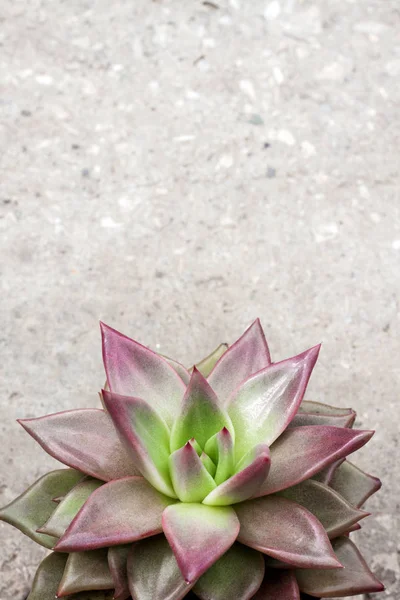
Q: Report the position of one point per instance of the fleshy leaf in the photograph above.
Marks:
(119, 512)
(265, 404)
(355, 578)
(333, 511)
(242, 485)
(69, 507)
(32, 508)
(201, 414)
(302, 451)
(326, 474)
(319, 408)
(153, 572)
(278, 585)
(74, 437)
(118, 564)
(146, 436)
(86, 571)
(304, 418)
(206, 365)
(199, 535)
(237, 575)
(134, 370)
(246, 356)
(190, 478)
(47, 577)
(221, 449)
(208, 463)
(353, 484)
(182, 371)
(286, 531)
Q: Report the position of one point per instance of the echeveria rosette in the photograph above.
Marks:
(217, 483)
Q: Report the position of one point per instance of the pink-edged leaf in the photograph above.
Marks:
(326, 474)
(85, 571)
(278, 585)
(301, 452)
(47, 577)
(84, 439)
(246, 356)
(304, 418)
(236, 575)
(190, 478)
(206, 365)
(353, 484)
(153, 572)
(355, 527)
(119, 512)
(319, 408)
(243, 484)
(134, 370)
(199, 535)
(263, 406)
(34, 507)
(201, 415)
(145, 435)
(333, 511)
(118, 565)
(221, 449)
(182, 371)
(355, 578)
(285, 530)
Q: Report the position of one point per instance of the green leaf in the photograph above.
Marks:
(33, 508)
(208, 463)
(86, 571)
(221, 449)
(206, 365)
(47, 577)
(191, 480)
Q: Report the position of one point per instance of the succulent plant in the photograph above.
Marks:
(218, 483)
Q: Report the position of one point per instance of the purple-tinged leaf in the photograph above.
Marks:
(190, 478)
(134, 370)
(153, 572)
(326, 474)
(206, 365)
(69, 507)
(47, 577)
(34, 507)
(353, 484)
(237, 575)
(182, 371)
(145, 435)
(355, 527)
(243, 484)
(119, 512)
(201, 415)
(85, 571)
(84, 439)
(246, 356)
(278, 585)
(263, 406)
(355, 578)
(221, 449)
(118, 565)
(333, 511)
(319, 408)
(304, 418)
(301, 452)
(286, 531)
(199, 535)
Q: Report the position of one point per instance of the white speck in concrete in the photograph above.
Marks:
(325, 232)
(109, 223)
(272, 10)
(286, 137)
(118, 67)
(225, 162)
(247, 88)
(334, 72)
(307, 149)
(383, 93)
(180, 251)
(235, 4)
(44, 79)
(226, 20)
(392, 68)
(192, 95)
(25, 73)
(375, 217)
(396, 244)
(209, 43)
(184, 138)
(364, 191)
(278, 75)
(370, 27)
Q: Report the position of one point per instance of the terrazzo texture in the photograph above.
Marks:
(179, 168)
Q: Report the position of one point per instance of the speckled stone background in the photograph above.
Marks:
(179, 168)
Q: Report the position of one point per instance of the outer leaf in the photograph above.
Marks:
(333, 511)
(206, 365)
(69, 507)
(237, 575)
(47, 577)
(353, 484)
(146, 436)
(278, 585)
(355, 578)
(117, 563)
(286, 531)
(84, 439)
(244, 484)
(326, 474)
(301, 452)
(264, 404)
(319, 408)
(32, 508)
(201, 414)
(86, 571)
(191, 480)
(246, 356)
(134, 370)
(304, 418)
(199, 535)
(153, 572)
(119, 512)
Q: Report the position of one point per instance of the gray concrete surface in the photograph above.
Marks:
(179, 168)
